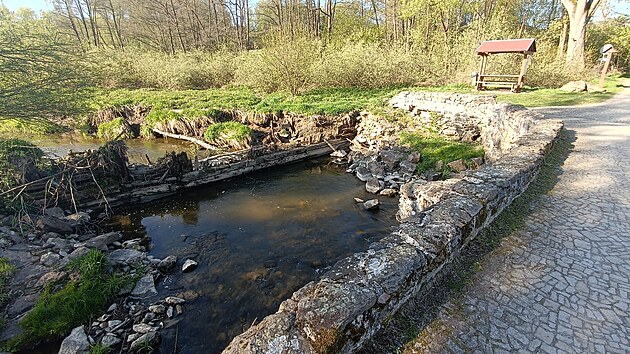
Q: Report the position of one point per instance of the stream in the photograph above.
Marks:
(257, 239)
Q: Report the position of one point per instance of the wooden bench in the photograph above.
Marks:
(497, 80)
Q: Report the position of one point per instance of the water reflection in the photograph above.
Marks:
(257, 239)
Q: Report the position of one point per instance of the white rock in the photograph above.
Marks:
(189, 265)
(76, 343)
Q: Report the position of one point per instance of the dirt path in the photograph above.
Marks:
(561, 284)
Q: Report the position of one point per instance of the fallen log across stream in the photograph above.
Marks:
(201, 143)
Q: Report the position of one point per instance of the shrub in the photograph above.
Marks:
(283, 65)
(229, 134)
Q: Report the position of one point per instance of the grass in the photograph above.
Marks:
(323, 101)
(434, 148)
(229, 131)
(541, 97)
(6, 271)
(28, 126)
(56, 313)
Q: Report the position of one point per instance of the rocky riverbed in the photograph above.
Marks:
(133, 321)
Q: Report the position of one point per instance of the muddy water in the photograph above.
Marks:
(257, 239)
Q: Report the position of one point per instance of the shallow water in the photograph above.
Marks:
(257, 239)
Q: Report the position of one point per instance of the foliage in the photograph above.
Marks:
(233, 134)
(56, 313)
(134, 68)
(117, 127)
(434, 148)
(98, 348)
(283, 65)
(615, 31)
(40, 74)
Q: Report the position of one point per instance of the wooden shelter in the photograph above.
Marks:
(526, 46)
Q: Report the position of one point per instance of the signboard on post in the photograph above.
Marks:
(607, 52)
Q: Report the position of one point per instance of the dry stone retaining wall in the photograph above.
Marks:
(351, 301)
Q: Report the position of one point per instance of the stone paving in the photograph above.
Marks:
(562, 283)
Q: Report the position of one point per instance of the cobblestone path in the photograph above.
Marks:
(562, 283)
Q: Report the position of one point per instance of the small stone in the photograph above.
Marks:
(148, 317)
(179, 309)
(113, 307)
(188, 295)
(55, 212)
(126, 256)
(142, 328)
(189, 265)
(439, 165)
(49, 259)
(103, 318)
(477, 162)
(414, 157)
(110, 340)
(167, 263)
(358, 200)
(388, 192)
(133, 336)
(373, 185)
(174, 300)
(113, 323)
(339, 153)
(51, 277)
(383, 298)
(372, 204)
(169, 312)
(157, 309)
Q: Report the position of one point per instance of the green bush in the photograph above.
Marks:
(56, 313)
(229, 134)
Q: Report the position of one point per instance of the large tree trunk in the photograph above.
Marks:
(580, 12)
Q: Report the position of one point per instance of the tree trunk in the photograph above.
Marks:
(580, 13)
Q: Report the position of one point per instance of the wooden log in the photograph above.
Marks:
(187, 138)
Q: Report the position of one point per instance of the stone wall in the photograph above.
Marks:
(468, 118)
(351, 301)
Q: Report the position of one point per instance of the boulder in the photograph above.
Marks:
(76, 343)
(189, 265)
(372, 204)
(51, 224)
(145, 287)
(373, 185)
(574, 86)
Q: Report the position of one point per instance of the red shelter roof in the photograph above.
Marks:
(526, 45)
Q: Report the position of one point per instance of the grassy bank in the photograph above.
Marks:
(56, 313)
(333, 101)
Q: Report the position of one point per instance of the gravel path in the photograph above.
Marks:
(561, 284)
